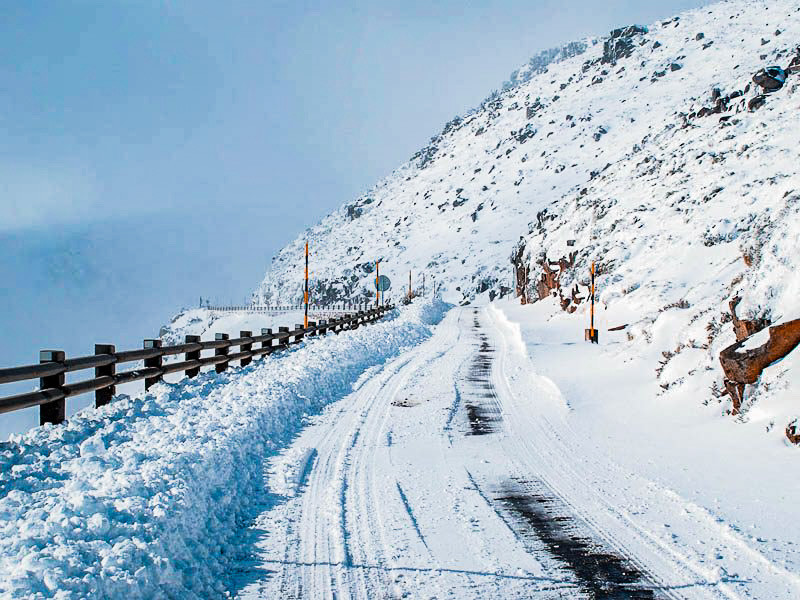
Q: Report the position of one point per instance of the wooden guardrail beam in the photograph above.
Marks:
(53, 366)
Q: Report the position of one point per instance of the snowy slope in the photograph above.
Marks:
(456, 210)
(604, 155)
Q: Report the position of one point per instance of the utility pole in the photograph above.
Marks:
(305, 295)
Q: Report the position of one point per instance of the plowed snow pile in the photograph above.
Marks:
(143, 498)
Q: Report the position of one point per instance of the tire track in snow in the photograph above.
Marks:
(671, 571)
(483, 417)
(599, 572)
(410, 514)
(533, 510)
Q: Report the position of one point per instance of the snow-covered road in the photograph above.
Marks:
(417, 457)
(452, 472)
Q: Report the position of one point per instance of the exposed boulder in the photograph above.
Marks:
(793, 432)
(770, 79)
(524, 134)
(794, 65)
(354, 212)
(757, 102)
(743, 366)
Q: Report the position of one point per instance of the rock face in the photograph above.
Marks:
(552, 272)
(620, 44)
(745, 366)
(521, 272)
(744, 328)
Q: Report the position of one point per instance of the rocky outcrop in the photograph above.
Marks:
(793, 432)
(550, 279)
(742, 366)
(620, 43)
(354, 212)
(744, 328)
(522, 272)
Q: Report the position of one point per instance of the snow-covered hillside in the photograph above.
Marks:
(639, 151)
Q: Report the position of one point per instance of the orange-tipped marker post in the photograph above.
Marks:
(590, 335)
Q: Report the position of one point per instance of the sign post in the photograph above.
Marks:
(377, 283)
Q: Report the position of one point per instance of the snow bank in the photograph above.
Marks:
(205, 323)
(144, 498)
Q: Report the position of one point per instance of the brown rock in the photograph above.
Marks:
(744, 328)
(745, 366)
(549, 281)
(792, 432)
(522, 271)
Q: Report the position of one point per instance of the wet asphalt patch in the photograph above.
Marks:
(538, 517)
(480, 397)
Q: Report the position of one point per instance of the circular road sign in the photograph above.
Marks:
(383, 284)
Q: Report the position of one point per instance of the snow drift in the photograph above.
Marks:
(144, 498)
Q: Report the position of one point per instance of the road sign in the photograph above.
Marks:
(383, 284)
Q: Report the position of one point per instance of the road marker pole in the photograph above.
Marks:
(590, 335)
(305, 294)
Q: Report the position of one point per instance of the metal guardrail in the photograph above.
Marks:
(53, 364)
(340, 307)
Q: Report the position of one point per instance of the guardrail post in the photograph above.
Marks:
(266, 331)
(56, 411)
(312, 324)
(103, 396)
(299, 337)
(155, 361)
(286, 339)
(323, 324)
(220, 367)
(192, 339)
(246, 348)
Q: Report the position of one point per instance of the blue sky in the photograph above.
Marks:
(153, 152)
